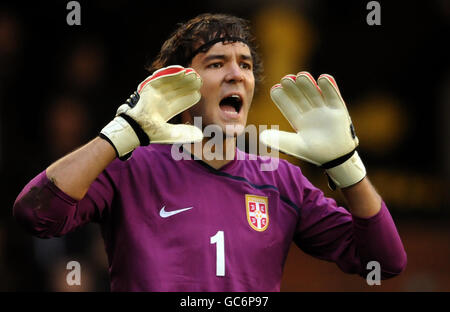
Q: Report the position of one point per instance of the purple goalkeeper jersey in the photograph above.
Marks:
(181, 225)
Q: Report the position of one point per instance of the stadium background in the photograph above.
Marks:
(60, 84)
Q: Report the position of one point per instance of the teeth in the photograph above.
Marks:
(236, 96)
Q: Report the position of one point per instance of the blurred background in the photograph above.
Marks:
(60, 84)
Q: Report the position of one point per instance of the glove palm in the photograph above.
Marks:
(143, 118)
(324, 132)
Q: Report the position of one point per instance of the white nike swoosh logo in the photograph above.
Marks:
(165, 214)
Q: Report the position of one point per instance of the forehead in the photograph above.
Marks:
(228, 49)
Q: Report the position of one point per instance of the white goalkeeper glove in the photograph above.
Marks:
(324, 133)
(143, 118)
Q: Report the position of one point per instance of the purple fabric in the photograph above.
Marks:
(149, 253)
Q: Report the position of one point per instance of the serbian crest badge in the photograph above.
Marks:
(257, 212)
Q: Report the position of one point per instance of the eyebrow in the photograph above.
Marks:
(210, 57)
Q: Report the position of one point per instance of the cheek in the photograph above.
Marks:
(251, 92)
(204, 88)
(251, 83)
(203, 107)
(210, 95)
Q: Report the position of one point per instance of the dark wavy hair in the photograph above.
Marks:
(180, 47)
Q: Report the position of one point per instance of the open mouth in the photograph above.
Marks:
(231, 104)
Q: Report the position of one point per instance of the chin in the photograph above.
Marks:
(233, 130)
(226, 130)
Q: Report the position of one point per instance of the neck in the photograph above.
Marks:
(215, 155)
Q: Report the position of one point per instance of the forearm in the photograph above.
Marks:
(75, 172)
(362, 199)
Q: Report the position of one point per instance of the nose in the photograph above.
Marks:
(234, 73)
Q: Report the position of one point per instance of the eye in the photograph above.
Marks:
(215, 65)
(246, 66)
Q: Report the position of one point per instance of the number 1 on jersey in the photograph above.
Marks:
(219, 240)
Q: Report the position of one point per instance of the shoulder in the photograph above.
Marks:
(274, 170)
(269, 165)
(146, 153)
(286, 177)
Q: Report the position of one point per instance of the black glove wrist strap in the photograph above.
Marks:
(142, 136)
(338, 161)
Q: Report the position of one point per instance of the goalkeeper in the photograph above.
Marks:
(219, 224)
